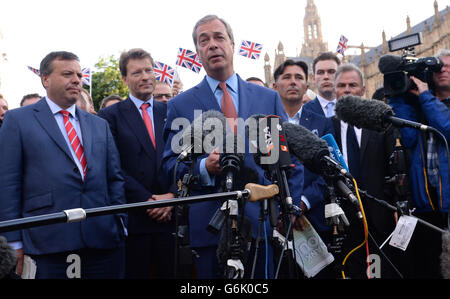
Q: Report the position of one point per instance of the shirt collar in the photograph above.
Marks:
(56, 109)
(139, 102)
(324, 102)
(232, 83)
(296, 118)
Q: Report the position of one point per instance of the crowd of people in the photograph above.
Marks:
(58, 153)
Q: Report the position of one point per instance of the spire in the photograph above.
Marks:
(408, 25)
(385, 44)
(312, 28)
(437, 15)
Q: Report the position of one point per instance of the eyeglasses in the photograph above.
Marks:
(159, 96)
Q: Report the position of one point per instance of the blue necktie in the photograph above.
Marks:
(353, 153)
(330, 109)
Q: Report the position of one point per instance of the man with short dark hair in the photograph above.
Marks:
(221, 90)
(291, 82)
(30, 99)
(324, 69)
(256, 80)
(56, 157)
(137, 126)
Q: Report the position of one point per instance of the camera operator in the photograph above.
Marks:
(429, 164)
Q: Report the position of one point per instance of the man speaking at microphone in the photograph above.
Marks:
(366, 153)
(221, 90)
(429, 164)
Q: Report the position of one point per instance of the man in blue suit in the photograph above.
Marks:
(324, 67)
(291, 82)
(221, 90)
(137, 126)
(55, 157)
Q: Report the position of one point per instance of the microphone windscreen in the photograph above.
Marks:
(252, 131)
(361, 113)
(445, 255)
(8, 258)
(306, 146)
(389, 63)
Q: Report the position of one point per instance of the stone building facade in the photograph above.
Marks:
(435, 31)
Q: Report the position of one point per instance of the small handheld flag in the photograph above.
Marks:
(250, 49)
(189, 59)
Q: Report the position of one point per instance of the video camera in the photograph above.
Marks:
(397, 70)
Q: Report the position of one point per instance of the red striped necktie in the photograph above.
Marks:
(148, 122)
(75, 141)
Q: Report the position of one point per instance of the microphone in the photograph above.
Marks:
(231, 161)
(445, 255)
(8, 259)
(335, 152)
(373, 115)
(209, 126)
(389, 63)
(313, 152)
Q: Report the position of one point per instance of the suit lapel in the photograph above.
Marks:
(136, 123)
(47, 120)
(85, 126)
(337, 131)
(365, 136)
(205, 97)
(159, 119)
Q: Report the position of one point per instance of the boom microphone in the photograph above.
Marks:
(8, 259)
(445, 255)
(389, 63)
(313, 152)
(372, 114)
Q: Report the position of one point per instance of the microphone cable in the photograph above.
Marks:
(366, 232)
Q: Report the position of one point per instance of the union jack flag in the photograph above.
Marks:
(35, 71)
(189, 59)
(250, 49)
(342, 45)
(86, 79)
(164, 73)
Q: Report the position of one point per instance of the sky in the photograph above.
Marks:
(93, 29)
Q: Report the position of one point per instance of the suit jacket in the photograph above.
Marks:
(253, 99)
(375, 151)
(314, 106)
(39, 176)
(314, 185)
(140, 160)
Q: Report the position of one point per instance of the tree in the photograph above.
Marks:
(107, 80)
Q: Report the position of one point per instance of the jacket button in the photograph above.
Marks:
(76, 170)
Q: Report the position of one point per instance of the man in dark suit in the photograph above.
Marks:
(137, 126)
(366, 153)
(56, 157)
(221, 90)
(291, 82)
(324, 69)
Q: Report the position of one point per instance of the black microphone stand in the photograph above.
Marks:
(183, 252)
(279, 177)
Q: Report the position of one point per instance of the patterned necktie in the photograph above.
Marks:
(353, 152)
(228, 108)
(74, 141)
(148, 122)
(330, 109)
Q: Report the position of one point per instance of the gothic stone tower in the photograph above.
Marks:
(312, 27)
